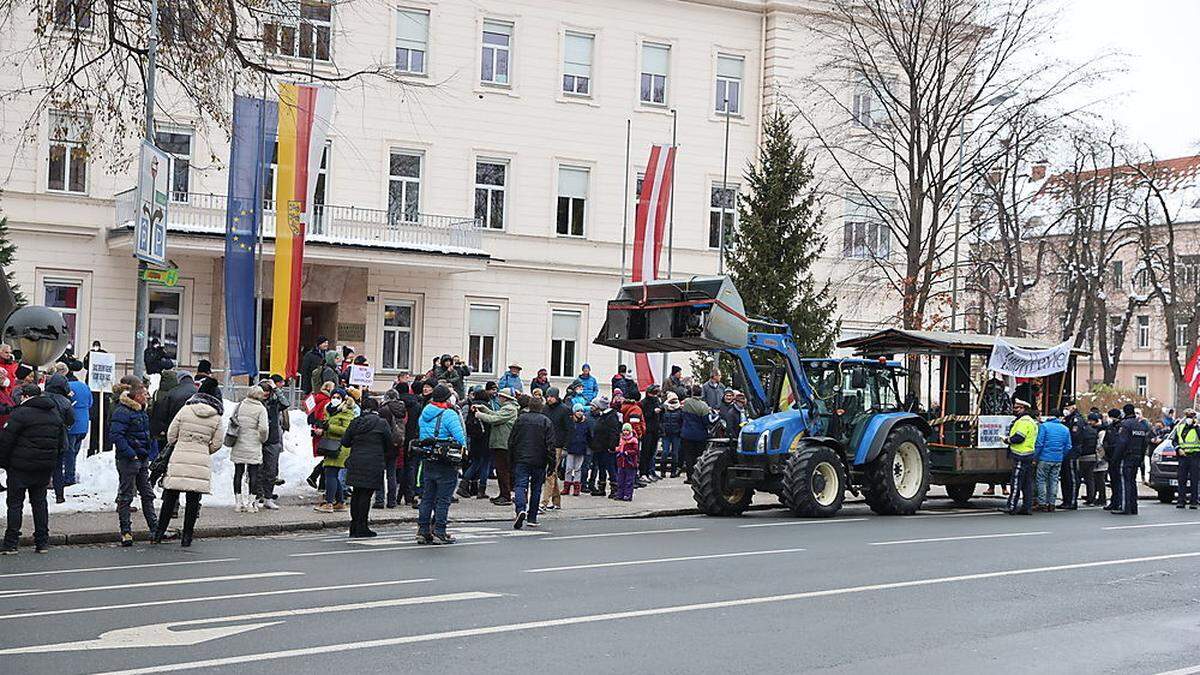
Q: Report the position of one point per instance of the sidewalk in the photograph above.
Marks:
(665, 498)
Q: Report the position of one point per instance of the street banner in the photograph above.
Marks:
(1191, 374)
(1008, 359)
(150, 232)
(362, 376)
(254, 123)
(650, 226)
(304, 116)
(102, 371)
(993, 429)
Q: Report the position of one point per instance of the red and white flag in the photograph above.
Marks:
(1191, 374)
(650, 226)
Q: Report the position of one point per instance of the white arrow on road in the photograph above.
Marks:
(168, 634)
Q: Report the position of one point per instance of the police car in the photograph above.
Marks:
(1164, 467)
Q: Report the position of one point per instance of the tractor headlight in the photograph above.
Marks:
(761, 446)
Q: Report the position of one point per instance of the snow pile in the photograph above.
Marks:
(97, 475)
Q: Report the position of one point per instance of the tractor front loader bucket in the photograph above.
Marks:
(697, 314)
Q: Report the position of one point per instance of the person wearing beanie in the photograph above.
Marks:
(606, 433)
(621, 381)
(445, 371)
(500, 424)
(559, 414)
(627, 456)
(578, 446)
(440, 423)
(1133, 434)
(591, 387)
(1111, 462)
(670, 425)
(30, 445)
(532, 446)
(541, 382)
(312, 359)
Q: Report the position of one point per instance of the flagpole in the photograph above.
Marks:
(671, 206)
(724, 189)
(625, 219)
(259, 221)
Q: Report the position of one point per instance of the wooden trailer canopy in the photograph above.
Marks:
(892, 341)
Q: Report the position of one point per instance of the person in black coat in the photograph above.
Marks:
(395, 413)
(155, 358)
(413, 406)
(651, 414)
(369, 438)
(58, 390)
(312, 360)
(178, 397)
(532, 446)
(30, 446)
(559, 413)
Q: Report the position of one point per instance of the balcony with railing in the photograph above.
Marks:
(204, 214)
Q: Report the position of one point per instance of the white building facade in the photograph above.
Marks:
(477, 210)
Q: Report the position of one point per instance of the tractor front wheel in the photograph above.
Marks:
(815, 482)
(710, 488)
(896, 481)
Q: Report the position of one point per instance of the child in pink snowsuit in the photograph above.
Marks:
(627, 463)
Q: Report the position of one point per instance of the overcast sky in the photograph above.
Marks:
(1157, 99)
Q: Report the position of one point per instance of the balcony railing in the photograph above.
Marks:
(202, 213)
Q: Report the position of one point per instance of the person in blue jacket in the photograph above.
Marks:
(591, 387)
(81, 403)
(439, 421)
(129, 428)
(1053, 444)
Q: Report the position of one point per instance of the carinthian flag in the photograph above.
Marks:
(1191, 374)
(649, 227)
(304, 113)
(253, 124)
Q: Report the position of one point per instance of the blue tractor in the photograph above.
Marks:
(819, 427)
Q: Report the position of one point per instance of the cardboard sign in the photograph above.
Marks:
(993, 429)
(362, 376)
(102, 371)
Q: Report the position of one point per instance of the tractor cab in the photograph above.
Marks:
(844, 391)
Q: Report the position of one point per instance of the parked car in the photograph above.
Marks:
(1164, 468)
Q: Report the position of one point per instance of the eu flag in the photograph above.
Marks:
(254, 129)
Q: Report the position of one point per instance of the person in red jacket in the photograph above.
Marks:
(315, 405)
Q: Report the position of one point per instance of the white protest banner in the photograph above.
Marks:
(1008, 359)
(102, 371)
(993, 429)
(362, 376)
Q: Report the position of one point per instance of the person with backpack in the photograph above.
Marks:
(395, 414)
(372, 443)
(440, 425)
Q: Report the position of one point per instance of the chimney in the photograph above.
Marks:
(1038, 172)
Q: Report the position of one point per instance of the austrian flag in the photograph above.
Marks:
(649, 228)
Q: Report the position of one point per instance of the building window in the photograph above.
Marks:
(412, 40)
(863, 107)
(864, 233)
(1141, 280)
(404, 187)
(397, 335)
(564, 342)
(68, 153)
(166, 307)
(75, 14)
(63, 296)
(319, 192)
(497, 52)
(302, 29)
(483, 338)
(656, 60)
(177, 21)
(721, 196)
(572, 200)
(577, 64)
(1118, 273)
(1181, 340)
(177, 144)
(491, 179)
(1143, 331)
(729, 84)
(1141, 384)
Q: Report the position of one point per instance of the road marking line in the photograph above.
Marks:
(119, 567)
(962, 538)
(808, 522)
(168, 633)
(412, 531)
(386, 548)
(1138, 527)
(147, 584)
(621, 534)
(211, 598)
(960, 514)
(1190, 670)
(469, 536)
(625, 563)
(657, 611)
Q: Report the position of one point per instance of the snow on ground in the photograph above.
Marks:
(97, 475)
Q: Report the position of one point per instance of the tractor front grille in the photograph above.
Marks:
(748, 443)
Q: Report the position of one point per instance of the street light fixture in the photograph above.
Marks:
(994, 101)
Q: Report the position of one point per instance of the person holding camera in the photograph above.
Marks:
(441, 431)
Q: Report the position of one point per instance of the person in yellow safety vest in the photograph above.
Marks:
(1186, 437)
(1022, 442)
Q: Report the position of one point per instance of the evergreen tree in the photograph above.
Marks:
(8, 254)
(771, 250)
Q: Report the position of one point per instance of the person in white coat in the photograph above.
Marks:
(193, 436)
(251, 425)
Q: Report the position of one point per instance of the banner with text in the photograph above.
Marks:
(1008, 359)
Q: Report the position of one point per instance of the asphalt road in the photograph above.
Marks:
(949, 591)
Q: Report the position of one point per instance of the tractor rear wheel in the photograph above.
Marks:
(961, 493)
(710, 488)
(815, 482)
(896, 481)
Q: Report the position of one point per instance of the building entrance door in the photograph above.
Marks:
(317, 319)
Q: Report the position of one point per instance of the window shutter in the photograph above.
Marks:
(730, 66)
(572, 182)
(577, 55)
(564, 326)
(655, 59)
(485, 321)
(412, 29)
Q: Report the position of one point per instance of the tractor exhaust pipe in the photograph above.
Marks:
(697, 314)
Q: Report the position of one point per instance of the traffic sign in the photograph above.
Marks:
(168, 277)
(150, 235)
